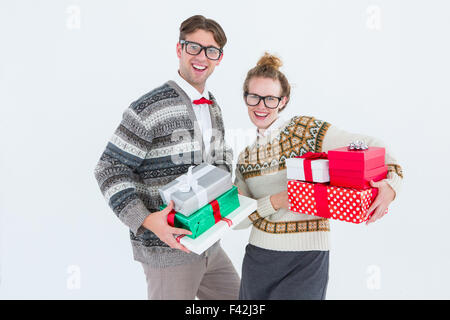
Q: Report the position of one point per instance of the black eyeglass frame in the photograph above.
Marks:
(261, 98)
(185, 42)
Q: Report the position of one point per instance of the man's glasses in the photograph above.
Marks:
(253, 99)
(194, 48)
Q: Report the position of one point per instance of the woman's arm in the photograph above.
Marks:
(264, 205)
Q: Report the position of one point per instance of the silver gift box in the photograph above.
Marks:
(195, 189)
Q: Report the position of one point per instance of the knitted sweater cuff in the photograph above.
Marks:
(134, 215)
(395, 182)
(265, 207)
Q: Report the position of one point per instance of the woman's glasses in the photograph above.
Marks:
(253, 99)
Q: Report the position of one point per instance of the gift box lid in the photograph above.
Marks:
(366, 174)
(343, 158)
(318, 164)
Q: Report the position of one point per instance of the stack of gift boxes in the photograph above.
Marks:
(202, 197)
(336, 185)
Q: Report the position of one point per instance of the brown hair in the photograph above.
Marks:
(196, 22)
(268, 67)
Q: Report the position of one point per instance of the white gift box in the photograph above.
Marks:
(319, 169)
(195, 189)
(216, 232)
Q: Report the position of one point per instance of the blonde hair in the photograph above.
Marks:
(268, 67)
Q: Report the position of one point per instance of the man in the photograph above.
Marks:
(162, 134)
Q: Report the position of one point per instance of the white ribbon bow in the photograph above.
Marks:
(187, 181)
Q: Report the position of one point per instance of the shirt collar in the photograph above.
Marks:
(274, 126)
(191, 92)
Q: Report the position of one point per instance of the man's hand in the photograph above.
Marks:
(384, 197)
(157, 223)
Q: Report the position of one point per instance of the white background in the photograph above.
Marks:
(68, 69)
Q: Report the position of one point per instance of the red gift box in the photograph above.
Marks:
(355, 168)
(357, 179)
(327, 201)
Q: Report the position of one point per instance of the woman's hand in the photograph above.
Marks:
(280, 200)
(385, 196)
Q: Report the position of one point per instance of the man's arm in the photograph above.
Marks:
(116, 176)
(115, 171)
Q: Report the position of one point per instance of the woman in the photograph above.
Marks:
(288, 253)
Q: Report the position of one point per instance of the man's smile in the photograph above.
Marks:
(260, 115)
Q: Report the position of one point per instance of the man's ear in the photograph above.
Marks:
(220, 59)
(179, 50)
(282, 103)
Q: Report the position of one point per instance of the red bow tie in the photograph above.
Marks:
(202, 101)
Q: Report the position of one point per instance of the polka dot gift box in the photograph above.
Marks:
(327, 201)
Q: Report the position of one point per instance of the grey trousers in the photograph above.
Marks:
(212, 277)
(284, 275)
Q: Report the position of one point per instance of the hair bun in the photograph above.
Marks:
(269, 60)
